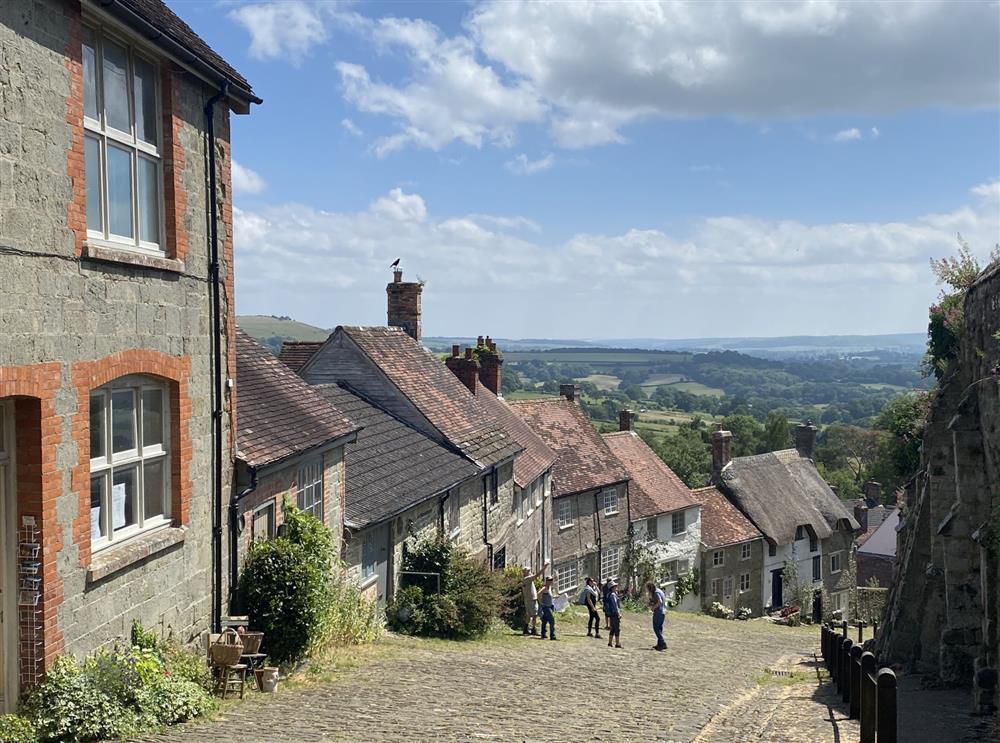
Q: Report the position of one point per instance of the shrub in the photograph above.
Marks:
(720, 611)
(511, 597)
(744, 613)
(17, 729)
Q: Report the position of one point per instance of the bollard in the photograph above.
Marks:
(844, 679)
(861, 632)
(869, 692)
(843, 628)
(886, 706)
(874, 629)
(855, 682)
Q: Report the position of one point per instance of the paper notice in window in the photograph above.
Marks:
(118, 506)
(95, 522)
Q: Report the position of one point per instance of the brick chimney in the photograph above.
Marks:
(805, 439)
(466, 368)
(489, 365)
(404, 304)
(861, 516)
(873, 493)
(568, 391)
(626, 420)
(722, 449)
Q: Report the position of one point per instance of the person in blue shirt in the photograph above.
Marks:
(546, 607)
(613, 612)
(658, 605)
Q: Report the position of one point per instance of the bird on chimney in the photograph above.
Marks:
(395, 263)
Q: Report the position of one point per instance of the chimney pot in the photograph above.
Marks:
(873, 493)
(568, 391)
(861, 516)
(404, 304)
(397, 276)
(456, 350)
(479, 341)
(805, 440)
(490, 365)
(465, 368)
(722, 449)
(626, 420)
(468, 353)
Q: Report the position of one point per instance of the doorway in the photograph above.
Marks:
(777, 579)
(8, 606)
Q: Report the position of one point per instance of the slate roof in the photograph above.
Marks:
(583, 459)
(882, 541)
(294, 354)
(653, 487)
(158, 15)
(781, 490)
(278, 415)
(876, 516)
(436, 392)
(391, 466)
(536, 457)
(722, 523)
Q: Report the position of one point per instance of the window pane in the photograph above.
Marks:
(119, 191)
(96, 511)
(145, 100)
(149, 201)
(123, 503)
(152, 489)
(92, 158)
(152, 418)
(98, 435)
(89, 74)
(116, 86)
(122, 421)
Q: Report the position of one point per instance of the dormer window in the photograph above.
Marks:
(122, 140)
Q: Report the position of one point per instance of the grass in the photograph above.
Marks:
(697, 388)
(795, 677)
(265, 326)
(602, 381)
(527, 395)
(662, 379)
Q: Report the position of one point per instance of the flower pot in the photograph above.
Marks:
(268, 679)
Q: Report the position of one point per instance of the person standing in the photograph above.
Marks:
(529, 593)
(591, 597)
(658, 605)
(546, 606)
(613, 613)
(605, 590)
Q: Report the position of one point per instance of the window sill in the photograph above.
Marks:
(564, 527)
(609, 514)
(368, 582)
(116, 558)
(112, 254)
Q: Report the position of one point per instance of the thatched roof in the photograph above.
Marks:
(781, 491)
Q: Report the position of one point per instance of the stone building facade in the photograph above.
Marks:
(107, 325)
(944, 604)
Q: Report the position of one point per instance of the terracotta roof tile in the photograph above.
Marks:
(278, 415)
(536, 457)
(722, 523)
(583, 459)
(653, 487)
(294, 354)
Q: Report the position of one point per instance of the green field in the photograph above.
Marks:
(697, 388)
(602, 381)
(266, 326)
(526, 395)
(884, 386)
(597, 357)
(662, 379)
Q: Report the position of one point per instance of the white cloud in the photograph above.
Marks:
(847, 135)
(726, 275)
(521, 165)
(875, 133)
(282, 29)
(351, 128)
(246, 180)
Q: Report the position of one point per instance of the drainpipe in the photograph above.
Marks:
(213, 275)
(597, 520)
(486, 533)
(234, 507)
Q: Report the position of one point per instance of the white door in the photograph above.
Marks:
(8, 540)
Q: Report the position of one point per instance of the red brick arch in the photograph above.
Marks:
(88, 375)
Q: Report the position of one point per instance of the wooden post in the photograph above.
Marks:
(869, 696)
(855, 700)
(843, 628)
(861, 632)
(875, 628)
(845, 669)
(886, 706)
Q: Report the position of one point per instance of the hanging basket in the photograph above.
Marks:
(226, 651)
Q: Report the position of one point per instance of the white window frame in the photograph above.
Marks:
(727, 587)
(566, 577)
(744, 582)
(817, 568)
(98, 129)
(104, 467)
(745, 551)
(673, 523)
(539, 492)
(267, 510)
(565, 512)
(611, 562)
(835, 566)
(368, 542)
(652, 528)
(718, 558)
(609, 501)
(716, 586)
(813, 543)
(453, 514)
(309, 483)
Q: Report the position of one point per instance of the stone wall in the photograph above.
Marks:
(943, 605)
(733, 566)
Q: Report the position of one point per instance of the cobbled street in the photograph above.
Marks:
(524, 689)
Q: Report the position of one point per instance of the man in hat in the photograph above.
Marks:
(613, 612)
(530, 595)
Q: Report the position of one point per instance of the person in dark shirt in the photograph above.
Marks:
(546, 607)
(613, 612)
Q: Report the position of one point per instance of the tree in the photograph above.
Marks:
(635, 392)
(686, 453)
(747, 434)
(777, 432)
(851, 448)
(902, 423)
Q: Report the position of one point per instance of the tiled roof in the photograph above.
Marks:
(277, 414)
(427, 383)
(653, 486)
(294, 354)
(391, 466)
(157, 14)
(782, 490)
(536, 457)
(721, 522)
(583, 459)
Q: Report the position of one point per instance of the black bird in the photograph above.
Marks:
(394, 263)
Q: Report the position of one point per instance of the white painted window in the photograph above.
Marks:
(718, 558)
(772, 549)
(835, 600)
(813, 543)
(835, 562)
(727, 587)
(670, 570)
(817, 565)
(683, 566)
(611, 560)
(129, 459)
(539, 488)
(566, 579)
(565, 512)
(610, 497)
(122, 140)
(310, 487)
(800, 533)
(263, 522)
(745, 551)
(716, 584)
(677, 523)
(744, 582)
(369, 553)
(651, 528)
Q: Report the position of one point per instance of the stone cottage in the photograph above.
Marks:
(803, 521)
(732, 555)
(116, 326)
(662, 510)
(590, 492)
(289, 445)
(402, 487)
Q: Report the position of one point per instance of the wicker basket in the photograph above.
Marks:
(251, 642)
(226, 651)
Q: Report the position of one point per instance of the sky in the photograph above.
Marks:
(626, 169)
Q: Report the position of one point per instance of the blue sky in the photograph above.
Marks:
(626, 169)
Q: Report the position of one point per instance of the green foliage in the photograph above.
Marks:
(842, 481)
(469, 601)
(719, 611)
(902, 422)
(638, 566)
(686, 584)
(294, 592)
(777, 432)
(512, 596)
(687, 454)
(17, 729)
(744, 613)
